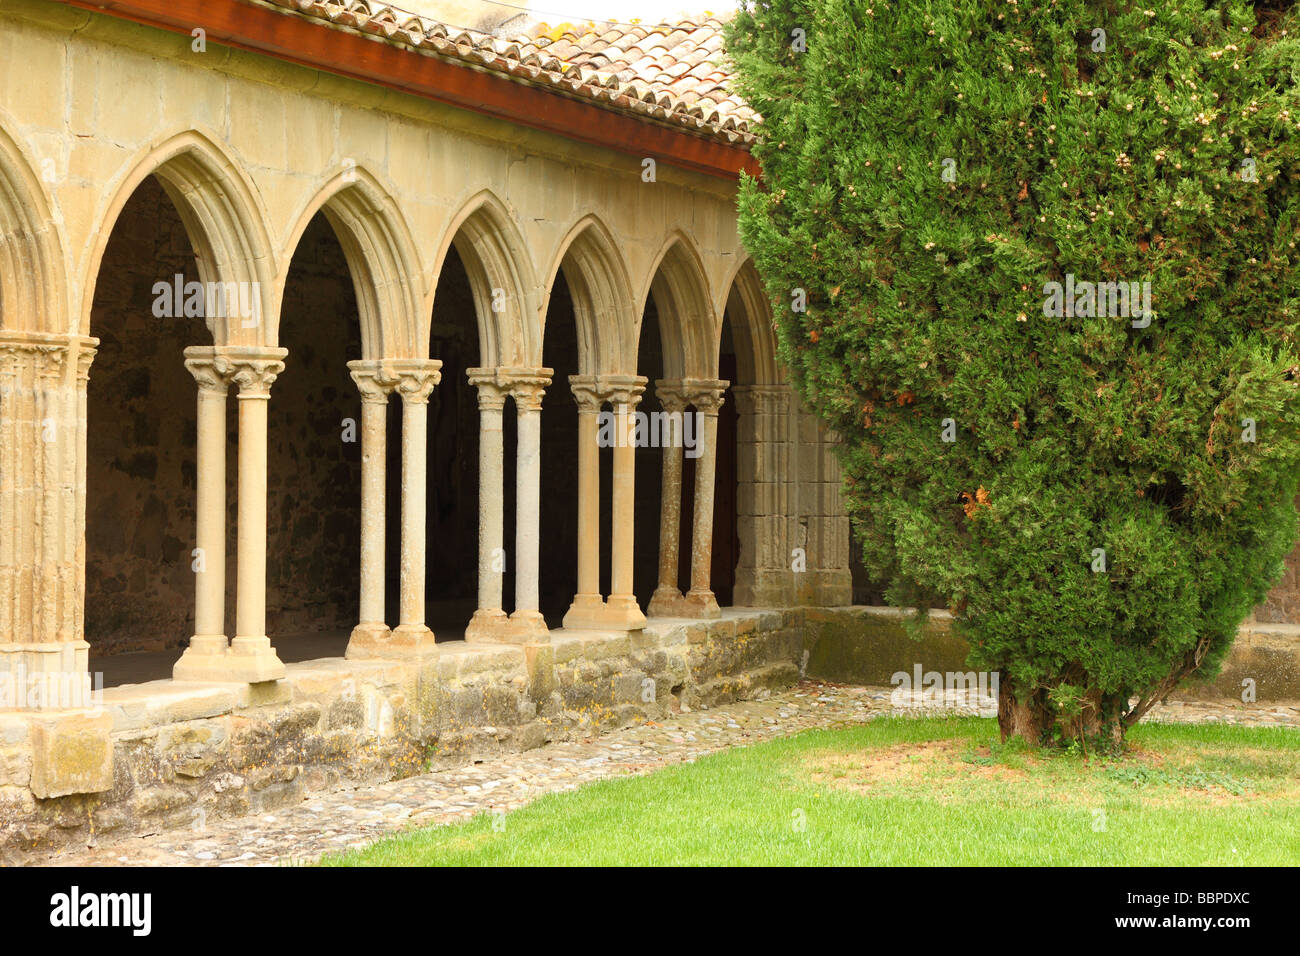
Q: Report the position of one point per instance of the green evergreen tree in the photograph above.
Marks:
(1100, 489)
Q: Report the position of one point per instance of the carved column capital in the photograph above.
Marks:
(493, 389)
(374, 381)
(586, 392)
(672, 394)
(623, 390)
(253, 369)
(86, 350)
(763, 399)
(527, 386)
(706, 394)
(211, 370)
(415, 378)
(46, 351)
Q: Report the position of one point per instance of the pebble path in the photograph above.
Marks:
(329, 822)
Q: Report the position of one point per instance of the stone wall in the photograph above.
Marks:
(167, 754)
(867, 645)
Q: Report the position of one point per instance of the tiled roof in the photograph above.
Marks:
(672, 73)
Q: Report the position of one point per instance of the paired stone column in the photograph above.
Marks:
(588, 607)
(621, 609)
(249, 657)
(667, 599)
(415, 381)
(527, 386)
(490, 621)
(706, 396)
(43, 652)
(376, 384)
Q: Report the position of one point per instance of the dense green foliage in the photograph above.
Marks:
(1169, 157)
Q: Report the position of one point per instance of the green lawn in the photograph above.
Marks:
(912, 792)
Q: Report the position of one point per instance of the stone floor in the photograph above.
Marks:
(329, 822)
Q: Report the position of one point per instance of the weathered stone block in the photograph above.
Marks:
(71, 753)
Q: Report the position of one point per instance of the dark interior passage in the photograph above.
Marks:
(314, 447)
(451, 557)
(140, 438)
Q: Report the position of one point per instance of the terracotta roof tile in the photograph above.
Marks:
(674, 73)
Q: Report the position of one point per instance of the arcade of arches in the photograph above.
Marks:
(346, 416)
(265, 402)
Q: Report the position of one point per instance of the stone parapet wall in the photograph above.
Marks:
(172, 754)
(868, 645)
(169, 754)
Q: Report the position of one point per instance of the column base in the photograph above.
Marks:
(248, 660)
(623, 613)
(587, 612)
(365, 637)
(404, 641)
(488, 625)
(700, 604)
(204, 659)
(528, 627)
(665, 602)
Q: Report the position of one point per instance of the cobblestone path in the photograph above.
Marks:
(328, 822)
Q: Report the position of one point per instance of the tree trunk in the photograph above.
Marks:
(1027, 719)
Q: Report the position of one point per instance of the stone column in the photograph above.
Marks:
(588, 607)
(490, 622)
(622, 610)
(706, 396)
(526, 388)
(252, 658)
(416, 380)
(206, 658)
(376, 385)
(43, 653)
(667, 599)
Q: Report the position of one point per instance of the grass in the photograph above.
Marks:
(900, 791)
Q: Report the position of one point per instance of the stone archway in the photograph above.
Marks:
(215, 220)
(690, 395)
(764, 483)
(496, 269)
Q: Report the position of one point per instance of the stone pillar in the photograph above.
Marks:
(667, 599)
(706, 396)
(765, 574)
(206, 658)
(588, 607)
(43, 653)
(252, 658)
(416, 380)
(376, 385)
(490, 622)
(622, 610)
(527, 387)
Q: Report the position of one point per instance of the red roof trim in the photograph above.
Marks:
(298, 40)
